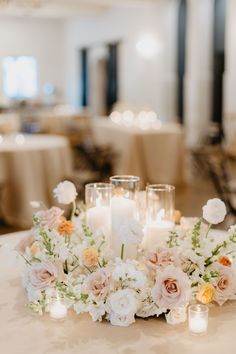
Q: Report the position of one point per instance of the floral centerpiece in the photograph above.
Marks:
(65, 258)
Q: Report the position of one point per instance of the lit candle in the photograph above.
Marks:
(198, 319)
(58, 310)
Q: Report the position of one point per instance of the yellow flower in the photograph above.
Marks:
(35, 249)
(206, 293)
(90, 256)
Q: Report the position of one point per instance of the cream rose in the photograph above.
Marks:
(214, 211)
(172, 288)
(42, 275)
(65, 192)
(97, 283)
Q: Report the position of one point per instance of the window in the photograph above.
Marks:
(20, 77)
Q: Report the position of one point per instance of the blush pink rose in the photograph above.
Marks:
(43, 275)
(172, 288)
(50, 218)
(162, 258)
(225, 283)
(98, 283)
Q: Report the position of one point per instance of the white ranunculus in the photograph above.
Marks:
(214, 211)
(65, 192)
(131, 232)
(122, 305)
(176, 315)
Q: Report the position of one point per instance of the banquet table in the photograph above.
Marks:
(24, 332)
(156, 155)
(30, 167)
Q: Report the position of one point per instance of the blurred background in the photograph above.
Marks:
(91, 88)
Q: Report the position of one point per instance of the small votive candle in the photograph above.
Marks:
(198, 319)
(58, 310)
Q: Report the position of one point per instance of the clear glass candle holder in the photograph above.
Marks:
(98, 202)
(124, 207)
(58, 309)
(198, 319)
(160, 207)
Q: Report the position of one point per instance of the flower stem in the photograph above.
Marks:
(122, 251)
(73, 209)
(209, 227)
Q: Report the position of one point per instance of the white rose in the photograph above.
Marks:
(122, 305)
(65, 192)
(176, 315)
(131, 232)
(214, 211)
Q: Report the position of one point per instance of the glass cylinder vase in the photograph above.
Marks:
(98, 202)
(160, 201)
(124, 208)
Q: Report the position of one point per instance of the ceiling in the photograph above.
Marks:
(63, 8)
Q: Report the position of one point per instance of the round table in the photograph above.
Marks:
(30, 167)
(24, 332)
(156, 155)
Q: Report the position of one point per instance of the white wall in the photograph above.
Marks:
(143, 82)
(43, 39)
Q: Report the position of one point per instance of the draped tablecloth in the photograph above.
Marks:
(23, 332)
(30, 167)
(156, 155)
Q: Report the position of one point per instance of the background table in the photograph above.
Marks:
(24, 332)
(30, 167)
(156, 155)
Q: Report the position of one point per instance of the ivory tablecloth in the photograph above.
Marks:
(30, 167)
(156, 155)
(23, 332)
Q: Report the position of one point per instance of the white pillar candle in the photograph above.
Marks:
(156, 234)
(99, 218)
(58, 310)
(122, 210)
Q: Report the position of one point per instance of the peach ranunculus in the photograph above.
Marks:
(162, 258)
(49, 218)
(225, 261)
(43, 275)
(97, 283)
(66, 228)
(225, 284)
(90, 257)
(206, 293)
(172, 288)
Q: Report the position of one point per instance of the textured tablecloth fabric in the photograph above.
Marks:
(23, 332)
(157, 156)
(30, 172)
